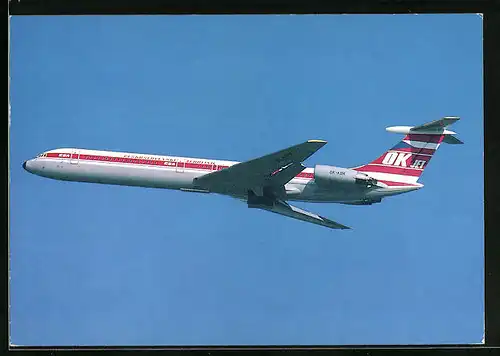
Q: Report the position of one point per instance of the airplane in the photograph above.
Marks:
(267, 182)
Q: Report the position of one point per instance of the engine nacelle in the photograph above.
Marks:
(329, 175)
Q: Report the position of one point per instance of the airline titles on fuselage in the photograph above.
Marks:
(168, 161)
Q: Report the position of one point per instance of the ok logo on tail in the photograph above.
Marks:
(400, 159)
(396, 158)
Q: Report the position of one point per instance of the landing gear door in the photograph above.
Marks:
(75, 157)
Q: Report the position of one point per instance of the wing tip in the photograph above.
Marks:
(316, 141)
(335, 225)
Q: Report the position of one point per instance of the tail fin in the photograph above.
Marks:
(404, 163)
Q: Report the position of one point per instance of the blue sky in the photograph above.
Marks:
(95, 264)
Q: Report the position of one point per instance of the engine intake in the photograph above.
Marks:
(327, 176)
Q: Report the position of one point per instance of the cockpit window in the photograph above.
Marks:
(41, 155)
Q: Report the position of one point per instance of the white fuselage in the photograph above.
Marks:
(169, 172)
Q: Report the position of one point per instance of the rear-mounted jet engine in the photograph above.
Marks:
(326, 176)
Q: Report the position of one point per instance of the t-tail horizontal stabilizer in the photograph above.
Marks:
(283, 208)
(437, 127)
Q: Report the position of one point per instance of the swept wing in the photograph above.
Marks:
(272, 170)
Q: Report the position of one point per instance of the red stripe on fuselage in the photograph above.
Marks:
(161, 162)
(305, 175)
(171, 163)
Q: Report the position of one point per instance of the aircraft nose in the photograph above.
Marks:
(24, 165)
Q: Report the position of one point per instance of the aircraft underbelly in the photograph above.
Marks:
(151, 177)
